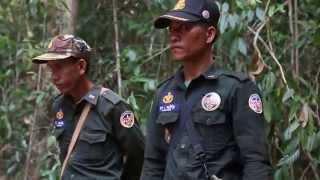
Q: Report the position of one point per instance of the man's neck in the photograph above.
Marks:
(81, 89)
(195, 67)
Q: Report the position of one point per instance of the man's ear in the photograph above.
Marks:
(83, 66)
(211, 34)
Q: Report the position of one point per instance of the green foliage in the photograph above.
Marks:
(291, 109)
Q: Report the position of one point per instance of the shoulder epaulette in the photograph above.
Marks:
(164, 81)
(112, 96)
(237, 75)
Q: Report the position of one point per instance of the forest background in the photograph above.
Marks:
(276, 42)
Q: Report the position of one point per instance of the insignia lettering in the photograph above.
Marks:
(167, 108)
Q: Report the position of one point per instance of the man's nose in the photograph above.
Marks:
(174, 36)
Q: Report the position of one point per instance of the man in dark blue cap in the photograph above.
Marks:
(206, 123)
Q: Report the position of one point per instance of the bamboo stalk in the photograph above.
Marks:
(116, 46)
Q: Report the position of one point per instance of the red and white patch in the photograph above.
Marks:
(255, 103)
(211, 101)
(127, 119)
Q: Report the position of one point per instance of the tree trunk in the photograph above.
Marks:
(72, 16)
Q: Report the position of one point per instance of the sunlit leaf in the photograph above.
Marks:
(288, 94)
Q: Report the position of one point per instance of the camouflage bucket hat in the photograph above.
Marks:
(63, 47)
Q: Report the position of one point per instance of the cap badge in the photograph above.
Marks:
(255, 103)
(91, 96)
(127, 119)
(59, 114)
(205, 14)
(181, 4)
(167, 98)
(211, 101)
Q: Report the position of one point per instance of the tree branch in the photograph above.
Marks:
(272, 55)
(32, 127)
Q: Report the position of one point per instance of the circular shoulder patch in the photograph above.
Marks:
(255, 103)
(211, 101)
(127, 119)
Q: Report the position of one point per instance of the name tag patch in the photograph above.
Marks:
(168, 108)
(167, 104)
(59, 122)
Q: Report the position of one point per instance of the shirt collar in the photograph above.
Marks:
(92, 96)
(212, 73)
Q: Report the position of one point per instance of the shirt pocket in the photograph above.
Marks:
(166, 118)
(91, 145)
(58, 132)
(212, 126)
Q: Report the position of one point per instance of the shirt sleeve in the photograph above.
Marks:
(131, 140)
(249, 131)
(156, 148)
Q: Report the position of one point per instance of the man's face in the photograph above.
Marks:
(187, 40)
(65, 74)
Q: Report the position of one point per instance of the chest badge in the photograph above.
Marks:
(127, 119)
(59, 119)
(211, 101)
(167, 98)
(59, 115)
(255, 103)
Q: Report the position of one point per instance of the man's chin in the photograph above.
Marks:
(177, 58)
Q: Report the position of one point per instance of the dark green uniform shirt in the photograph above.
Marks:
(226, 111)
(110, 145)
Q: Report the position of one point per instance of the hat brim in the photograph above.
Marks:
(44, 58)
(164, 20)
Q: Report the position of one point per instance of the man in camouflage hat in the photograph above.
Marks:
(206, 123)
(109, 145)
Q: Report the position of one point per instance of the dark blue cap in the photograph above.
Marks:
(206, 11)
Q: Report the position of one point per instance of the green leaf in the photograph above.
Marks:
(132, 55)
(233, 19)
(288, 94)
(288, 132)
(260, 14)
(223, 24)
(225, 7)
(267, 110)
(242, 46)
(289, 159)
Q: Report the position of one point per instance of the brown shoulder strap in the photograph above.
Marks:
(75, 135)
(76, 132)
